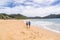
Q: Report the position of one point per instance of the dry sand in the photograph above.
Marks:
(16, 30)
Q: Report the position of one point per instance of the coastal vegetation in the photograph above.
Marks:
(20, 16)
(12, 16)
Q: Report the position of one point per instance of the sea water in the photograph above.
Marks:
(50, 24)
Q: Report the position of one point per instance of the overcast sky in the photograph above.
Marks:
(30, 7)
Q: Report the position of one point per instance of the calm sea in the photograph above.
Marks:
(50, 24)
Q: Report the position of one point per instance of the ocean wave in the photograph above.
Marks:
(48, 25)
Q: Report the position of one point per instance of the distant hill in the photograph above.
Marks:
(19, 16)
(37, 17)
(12, 16)
(52, 16)
(49, 16)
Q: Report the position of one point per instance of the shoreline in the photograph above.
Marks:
(47, 28)
(52, 30)
(17, 30)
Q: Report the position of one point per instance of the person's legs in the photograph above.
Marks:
(26, 24)
(29, 24)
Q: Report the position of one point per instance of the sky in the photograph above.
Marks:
(30, 8)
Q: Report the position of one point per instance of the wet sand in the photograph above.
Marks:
(17, 30)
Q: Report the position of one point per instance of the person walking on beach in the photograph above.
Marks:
(28, 23)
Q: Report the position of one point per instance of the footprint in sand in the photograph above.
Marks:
(23, 33)
(32, 37)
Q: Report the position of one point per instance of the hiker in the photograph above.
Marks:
(28, 24)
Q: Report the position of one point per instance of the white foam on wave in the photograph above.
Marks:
(38, 23)
(52, 30)
(47, 25)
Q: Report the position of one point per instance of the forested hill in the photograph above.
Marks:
(19, 16)
(47, 17)
(53, 16)
(12, 16)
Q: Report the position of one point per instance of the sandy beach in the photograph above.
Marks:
(17, 30)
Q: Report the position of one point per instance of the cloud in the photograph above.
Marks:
(19, 1)
(30, 7)
(41, 11)
(14, 10)
(44, 2)
(2, 2)
(56, 2)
